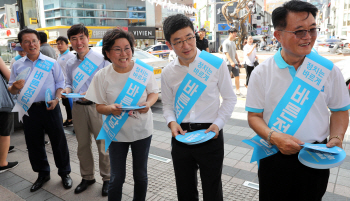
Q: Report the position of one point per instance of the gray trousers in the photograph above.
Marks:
(87, 121)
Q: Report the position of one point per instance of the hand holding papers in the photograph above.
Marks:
(48, 97)
(195, 137)
(73, 95)
(319, 156)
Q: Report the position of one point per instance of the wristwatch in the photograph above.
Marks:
(58, 99)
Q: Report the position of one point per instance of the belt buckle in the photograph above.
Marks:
(195, 126)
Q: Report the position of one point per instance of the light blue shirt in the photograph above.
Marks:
(54, 80)
(72, 64)
(62, 60)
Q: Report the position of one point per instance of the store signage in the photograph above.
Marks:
(11, 15)
(143, 32)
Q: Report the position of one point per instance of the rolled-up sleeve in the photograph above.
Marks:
(167, 99)
(229, 98)
(58, 76)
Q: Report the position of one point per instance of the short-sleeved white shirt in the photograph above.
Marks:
(271, 79)
(106, 86)
(249, 60)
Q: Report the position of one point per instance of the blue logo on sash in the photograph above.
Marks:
(295, 104)
(130, 95)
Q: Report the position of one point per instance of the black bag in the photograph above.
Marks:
(6, 101)
(256, 63)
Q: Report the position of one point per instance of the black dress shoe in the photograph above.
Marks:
(105, 188)
(67, 181)
(39, 183)
(83, 185)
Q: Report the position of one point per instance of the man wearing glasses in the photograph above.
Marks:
(288, 106)
(45, 73)
(207, 113)
(80, 71)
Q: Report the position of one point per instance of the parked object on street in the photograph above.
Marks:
(160, 50)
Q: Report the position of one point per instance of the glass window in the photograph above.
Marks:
(165, 47)
(49, 14)
(344, 19)
(157, 48)
(80, 13)
(90, 13)
(348, 19)
(50, 23)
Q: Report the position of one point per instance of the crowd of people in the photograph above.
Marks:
(111, 80)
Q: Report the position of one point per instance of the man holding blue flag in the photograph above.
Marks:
(287, 102)
(80, 71)
(45, 73)
(191, 88)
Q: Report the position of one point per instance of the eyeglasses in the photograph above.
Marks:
(189, 40)
(119, 51)
(302, 33)
(30, 42)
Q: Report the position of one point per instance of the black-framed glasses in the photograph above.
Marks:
(302, 33)
(189, 40)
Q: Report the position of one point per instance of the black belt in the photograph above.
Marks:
(195, 126)
(39, 103)
(323, 142)
(85, 103)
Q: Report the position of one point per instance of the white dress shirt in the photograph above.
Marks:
(207, 109)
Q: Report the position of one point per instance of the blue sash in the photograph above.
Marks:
(292, 109)
(130, 95)
(85, 70)
(32, 87)
(18, 57)
(200, 72)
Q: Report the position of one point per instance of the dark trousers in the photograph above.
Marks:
(66, 104)
(118, 152)
(39, 122)
(249, 70)
(283, 177)
(208, 158)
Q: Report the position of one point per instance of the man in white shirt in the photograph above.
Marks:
(65, 55)
(86, 119)
(206, 113)
(229, 49)
(281, 175)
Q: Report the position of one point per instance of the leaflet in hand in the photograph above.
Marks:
(24, 74)
(321, 160)
(73, 95)
(132, 107)
(322, 148)
(48, 97)
(195, 137)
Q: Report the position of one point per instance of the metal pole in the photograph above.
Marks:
(20, 14)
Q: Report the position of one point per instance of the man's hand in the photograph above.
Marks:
(67, 91)
(115, 109)
(287, 144)
(213, 128)
(52, 104)
(144, 110)
(19, 84)
(334, 142)
(176, 129)
(84, 99)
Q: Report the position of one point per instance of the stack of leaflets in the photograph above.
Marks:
(195, 137)
(319, 156)
(132, 107)
(24, 74)
(73, 95)
(48, 97)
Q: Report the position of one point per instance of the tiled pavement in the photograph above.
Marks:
(15, 184)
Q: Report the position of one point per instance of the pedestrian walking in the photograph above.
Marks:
(249, 51)
(111, 88)
(65, 55)
(45, 73)
(287, 104)
(206, 113)
(6, 119)
(231, 57)
(80, 71)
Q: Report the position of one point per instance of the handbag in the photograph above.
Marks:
(256, 63)
(6, 101)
